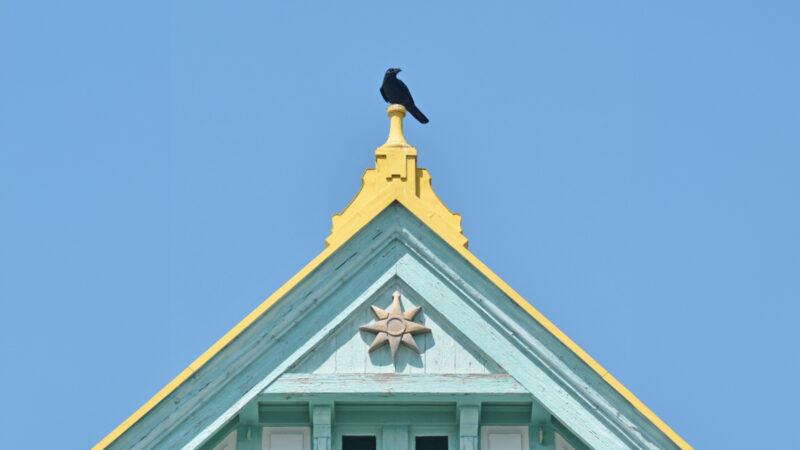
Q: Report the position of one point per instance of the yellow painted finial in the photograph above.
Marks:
(397, 178)
(395, 158)
(396, 115)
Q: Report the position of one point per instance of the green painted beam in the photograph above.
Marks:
(399, 399)
(295, 383)
(395, 414)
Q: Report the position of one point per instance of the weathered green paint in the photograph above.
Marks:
(221, 434)
(346, 398)
(301, 383)
(453, 416)
(394, 251)
(514, 359)
(469, 421)
(568, 435)
(395, 437)
(403, 414)
(248, 436)
(505, 414)
(271, 351)
(547, 434)
(286, 414)
(322, 427)
(443, 350)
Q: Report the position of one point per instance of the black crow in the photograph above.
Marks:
(395, 92)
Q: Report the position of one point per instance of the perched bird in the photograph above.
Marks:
(395, 92)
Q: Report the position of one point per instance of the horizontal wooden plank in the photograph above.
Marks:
(413, 414)
(285, 414)
(385, 383)
(506, 414)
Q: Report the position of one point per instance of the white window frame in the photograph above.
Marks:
(523, 431)
(267, 432)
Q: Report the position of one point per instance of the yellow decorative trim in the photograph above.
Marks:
(219, 345)
(397, 178)
(555, 331)
(381, 186)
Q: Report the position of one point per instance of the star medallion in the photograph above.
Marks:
(395, 326)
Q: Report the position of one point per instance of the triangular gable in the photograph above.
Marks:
(444, 350)
(387, 239)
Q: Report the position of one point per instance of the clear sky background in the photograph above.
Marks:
(630, 169)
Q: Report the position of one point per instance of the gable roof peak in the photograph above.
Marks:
(396, 177)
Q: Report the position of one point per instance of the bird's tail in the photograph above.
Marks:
(417, 113)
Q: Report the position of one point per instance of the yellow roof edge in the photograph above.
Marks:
(561, 336)
(217, 346)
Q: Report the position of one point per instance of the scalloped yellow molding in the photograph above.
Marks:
(397, 178)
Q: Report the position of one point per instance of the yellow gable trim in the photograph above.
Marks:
(628, 395)
(387, 183)
(219, 345)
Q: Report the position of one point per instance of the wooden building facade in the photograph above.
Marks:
(395, 337)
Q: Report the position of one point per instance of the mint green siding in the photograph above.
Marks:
(443, 350)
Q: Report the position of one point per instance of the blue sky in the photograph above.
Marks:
(630, 169)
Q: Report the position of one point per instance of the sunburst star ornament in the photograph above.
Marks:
(395, 326)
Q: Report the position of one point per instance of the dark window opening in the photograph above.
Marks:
(431, 442)
(359, 443)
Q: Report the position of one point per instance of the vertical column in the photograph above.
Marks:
(248, 435)
(469, 420)
(394, 437)
(322, 427)
(541, 431)
(542, 436)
